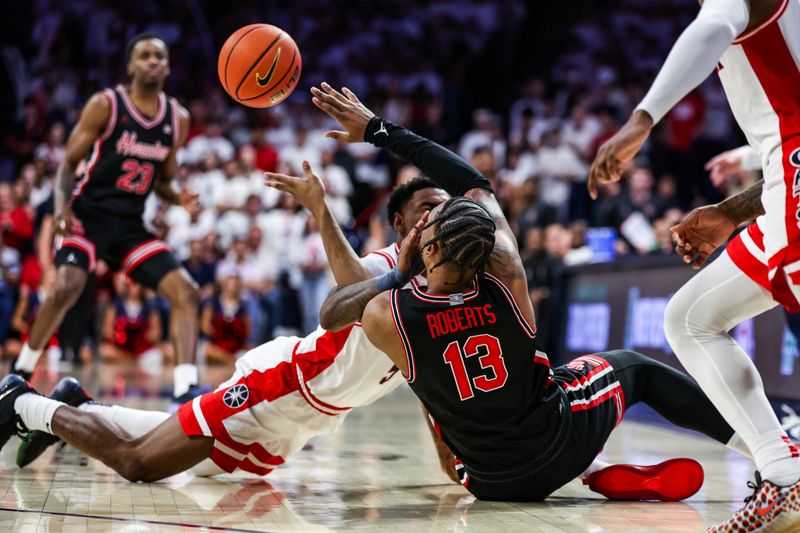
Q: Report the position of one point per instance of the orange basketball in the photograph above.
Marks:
(259, 65)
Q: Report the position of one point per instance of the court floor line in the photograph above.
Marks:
(133, 520)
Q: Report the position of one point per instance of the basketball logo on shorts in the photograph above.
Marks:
(236, 396)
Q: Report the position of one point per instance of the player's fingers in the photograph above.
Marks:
(592, 185)
(325, 100)
(307, 170)
(336, 134)
(351, 95)
(333, 93)
(712, 162)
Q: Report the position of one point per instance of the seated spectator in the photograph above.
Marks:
(30, 299)
(131, 327)
(535, 213)
(201, 268)
(225, 322)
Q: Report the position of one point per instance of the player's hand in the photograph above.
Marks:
(619, 149)
(346, 109)
(65, 222)
(702, 231)
(409, 248)
(309, 191)
(722, 166)
(448, 463)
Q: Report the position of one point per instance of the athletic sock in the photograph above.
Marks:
(28, 357)
(738, 445)
(777, 458)
(36, 411)
(185, 376)
(136, 422)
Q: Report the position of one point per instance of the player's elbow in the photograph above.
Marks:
(328, 318)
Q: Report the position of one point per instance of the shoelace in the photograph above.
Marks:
(755, 486)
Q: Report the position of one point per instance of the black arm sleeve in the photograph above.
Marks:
(447, 169)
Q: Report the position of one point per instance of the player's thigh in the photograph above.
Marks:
(717, 298)
(167, 450)
(141, 257)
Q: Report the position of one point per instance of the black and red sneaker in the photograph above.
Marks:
(11, 387)
(670, 481)
(34, 443)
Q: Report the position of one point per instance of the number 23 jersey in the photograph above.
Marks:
(472, 361)
(127, 158)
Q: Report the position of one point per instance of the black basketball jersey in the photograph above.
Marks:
(472, 361)
(127, 158)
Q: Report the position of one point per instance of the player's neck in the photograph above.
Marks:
(446, 282)
(145, 98)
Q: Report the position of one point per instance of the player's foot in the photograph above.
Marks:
(771, 508)
(672, 480)
(193, 392)
(11, 387)
(34, 443)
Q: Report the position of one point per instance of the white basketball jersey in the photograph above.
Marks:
(360, 373)
(761, 77)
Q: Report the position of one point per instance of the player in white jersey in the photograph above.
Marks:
(755, 47)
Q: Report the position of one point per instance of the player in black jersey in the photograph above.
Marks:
(130, 135)
(466, 342)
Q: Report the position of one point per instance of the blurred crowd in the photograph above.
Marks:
(256, 255)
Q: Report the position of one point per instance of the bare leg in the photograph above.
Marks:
(69, 285)
(161, 453)
(184, 300)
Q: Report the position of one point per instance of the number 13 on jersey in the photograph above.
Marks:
(490, 356)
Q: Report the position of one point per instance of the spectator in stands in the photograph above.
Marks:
(224, 320)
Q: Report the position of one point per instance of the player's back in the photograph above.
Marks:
(472, 361)
(760, 73)
(126, 159)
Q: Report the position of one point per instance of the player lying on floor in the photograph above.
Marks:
(281, 394)
(466, 342)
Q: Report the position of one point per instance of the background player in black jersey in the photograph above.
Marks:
(131, 136)
(466, 342)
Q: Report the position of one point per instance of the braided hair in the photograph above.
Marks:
(464, 230)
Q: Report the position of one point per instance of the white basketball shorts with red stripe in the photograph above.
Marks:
(259, 417)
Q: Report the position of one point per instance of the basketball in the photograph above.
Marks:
(259, 65)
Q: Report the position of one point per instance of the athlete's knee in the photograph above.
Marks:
(682, 319)
(185, 294)
(132, 466)
(66, 293)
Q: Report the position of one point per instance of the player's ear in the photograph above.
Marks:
(399, 224)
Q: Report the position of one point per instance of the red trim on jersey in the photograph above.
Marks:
(176, 124)
(747, 263)
(98, 146)
(316, 403)
(777, 72)
(385, 256)
(401, 331)
(530, 330)
(776, 14)
(142, 253)
(137, 116)
(82, 244)
(112, 116)
(757, 235)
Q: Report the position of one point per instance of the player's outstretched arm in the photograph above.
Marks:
(693, 57)
(345, 305)
(93, 121)
(309, 191)
(706, 228)
(450, 171)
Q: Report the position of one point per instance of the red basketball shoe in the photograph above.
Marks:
(770, 509)
(670, 481)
